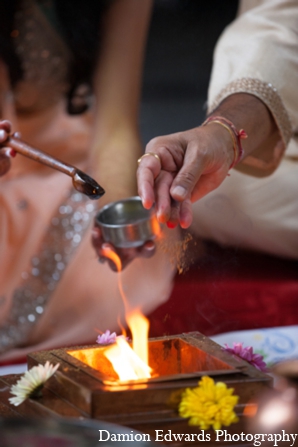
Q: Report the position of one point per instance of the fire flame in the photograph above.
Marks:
(129, 363)
(126, 362)
(139, 326)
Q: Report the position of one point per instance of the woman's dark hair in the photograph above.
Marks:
(8, 9)
(78, 22)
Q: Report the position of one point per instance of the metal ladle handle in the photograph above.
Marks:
(81, 181)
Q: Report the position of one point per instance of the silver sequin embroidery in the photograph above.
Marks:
(65, 233)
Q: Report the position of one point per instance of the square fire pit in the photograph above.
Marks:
(86, 381)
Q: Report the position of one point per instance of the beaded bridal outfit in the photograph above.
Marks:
(53, 291)
(44, 60)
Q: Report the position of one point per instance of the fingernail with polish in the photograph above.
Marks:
(171, 225)
(179, 191)
(10, 153)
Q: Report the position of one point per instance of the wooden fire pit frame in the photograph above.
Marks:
(77, 391)
(81, 386)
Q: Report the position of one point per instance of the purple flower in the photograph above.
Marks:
(247, 354)
(106, 338)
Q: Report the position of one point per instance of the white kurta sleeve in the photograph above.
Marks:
(258, 54)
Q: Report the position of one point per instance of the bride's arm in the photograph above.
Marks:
(117, 83)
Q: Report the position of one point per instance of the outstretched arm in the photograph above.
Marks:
(253, 85)
(195, 162)
(117, 82)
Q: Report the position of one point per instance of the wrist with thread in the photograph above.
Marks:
(234, 133)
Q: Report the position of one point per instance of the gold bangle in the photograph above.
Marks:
(237, 135)
(235, 147)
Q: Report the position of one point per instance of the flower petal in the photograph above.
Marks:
(209, 404)
(31, 381)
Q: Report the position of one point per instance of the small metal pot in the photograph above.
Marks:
(126, 223)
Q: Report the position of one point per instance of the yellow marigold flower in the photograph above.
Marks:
(209, 405)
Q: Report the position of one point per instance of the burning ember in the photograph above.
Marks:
(130, 363)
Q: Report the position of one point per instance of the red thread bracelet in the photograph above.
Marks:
(236, 135)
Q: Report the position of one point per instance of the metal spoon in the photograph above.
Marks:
(81, 181)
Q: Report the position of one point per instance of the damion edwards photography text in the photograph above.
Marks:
(220, 435)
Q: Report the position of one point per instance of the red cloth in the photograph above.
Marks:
(228, 291)
(18, 361)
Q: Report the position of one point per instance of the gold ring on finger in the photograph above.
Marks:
(149, 153)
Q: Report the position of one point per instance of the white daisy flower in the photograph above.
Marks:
(31, 383)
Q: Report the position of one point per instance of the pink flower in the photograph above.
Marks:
(247, 354)
(106, 338)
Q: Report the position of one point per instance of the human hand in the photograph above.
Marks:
(106, 251)
(189, 165)
(5, 152)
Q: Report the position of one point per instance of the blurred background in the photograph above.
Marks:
(178, 63)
